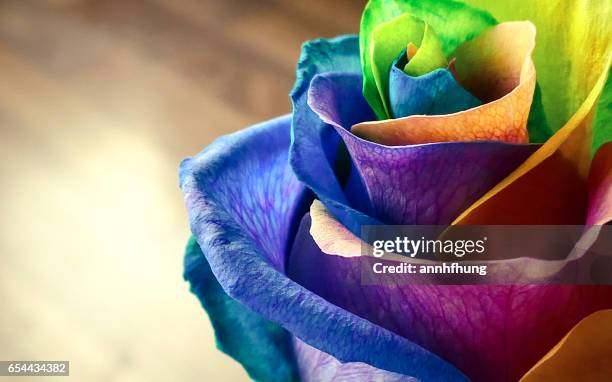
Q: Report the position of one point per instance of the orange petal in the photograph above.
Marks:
(600, 187)
(585, 354)
(489, 72)
(550, 187)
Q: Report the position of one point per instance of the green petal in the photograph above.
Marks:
(573, 49)
(388, 40)
(261, 346)
(603, 117)
(537, 125)
(453, 21)
(429, 56)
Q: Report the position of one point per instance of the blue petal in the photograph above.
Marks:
(242, 197)
(245, 178)
(434, 93)
(316, 148)
(261, 346)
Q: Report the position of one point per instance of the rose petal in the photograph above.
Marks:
(317, 366)
(496, 67)
(550, 187)
(497, 61)
(316, 148)
(420, 184)
(600, 187)
(242, 201)
(491, 332)
(584, 354)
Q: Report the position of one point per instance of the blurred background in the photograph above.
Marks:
(99, 102)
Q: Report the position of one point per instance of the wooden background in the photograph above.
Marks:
(99, 102)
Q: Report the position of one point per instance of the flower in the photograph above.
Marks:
(424, 118)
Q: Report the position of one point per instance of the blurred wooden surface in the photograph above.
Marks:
(99, 101)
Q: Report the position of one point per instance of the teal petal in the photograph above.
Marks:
(262, 347)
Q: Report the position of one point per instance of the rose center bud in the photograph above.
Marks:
(424, 54)
(411, 50)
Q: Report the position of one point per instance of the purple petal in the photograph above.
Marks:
(490, 332)
(415, 184)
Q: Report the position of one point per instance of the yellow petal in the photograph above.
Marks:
(585, 354)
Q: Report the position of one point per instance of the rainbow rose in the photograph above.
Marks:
(438, 113)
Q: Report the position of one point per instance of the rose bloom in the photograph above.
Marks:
(438, 113)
